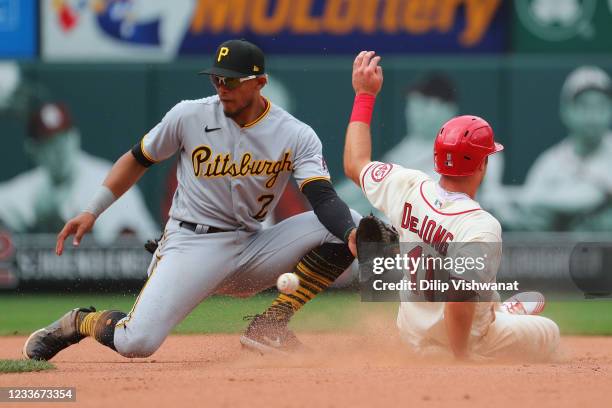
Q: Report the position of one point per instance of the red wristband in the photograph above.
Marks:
(363, 108)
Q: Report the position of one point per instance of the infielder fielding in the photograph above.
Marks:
(236, 152)
(415, 204)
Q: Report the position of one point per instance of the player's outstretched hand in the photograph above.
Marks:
(367, 74)
(79, 226)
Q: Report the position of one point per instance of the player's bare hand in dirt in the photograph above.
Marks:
(367, 74)
(78, 226)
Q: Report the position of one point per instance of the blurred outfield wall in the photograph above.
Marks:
(114, 105)
(120, 65)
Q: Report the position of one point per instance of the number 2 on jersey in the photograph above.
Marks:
(265, 201)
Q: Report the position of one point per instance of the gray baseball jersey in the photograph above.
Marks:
(231, 177)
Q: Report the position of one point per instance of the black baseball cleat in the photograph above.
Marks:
(269, 335)
(45, 343)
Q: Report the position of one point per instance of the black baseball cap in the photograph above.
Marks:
(237, 59)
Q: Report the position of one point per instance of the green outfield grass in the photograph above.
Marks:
(336, 310)
(23, 366)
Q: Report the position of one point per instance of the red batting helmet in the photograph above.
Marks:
(462, 144)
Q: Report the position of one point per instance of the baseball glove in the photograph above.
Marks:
(375, 239)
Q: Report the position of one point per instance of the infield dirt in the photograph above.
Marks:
(342, 370)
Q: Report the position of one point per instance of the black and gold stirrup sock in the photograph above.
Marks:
(318, 269)
(100, 325)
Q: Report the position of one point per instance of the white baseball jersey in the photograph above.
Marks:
(436, 221)
(231, 177)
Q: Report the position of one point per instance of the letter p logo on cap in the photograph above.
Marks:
(223, 51)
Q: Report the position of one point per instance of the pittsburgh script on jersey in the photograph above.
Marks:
(207, 166)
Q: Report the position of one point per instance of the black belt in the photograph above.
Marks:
(199, 228)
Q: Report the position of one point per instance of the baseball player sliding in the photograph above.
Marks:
(236, 152)
(442, 218)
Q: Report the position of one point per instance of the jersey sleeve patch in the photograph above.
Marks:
(375, 171)
(380, 171)
(309, 163)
